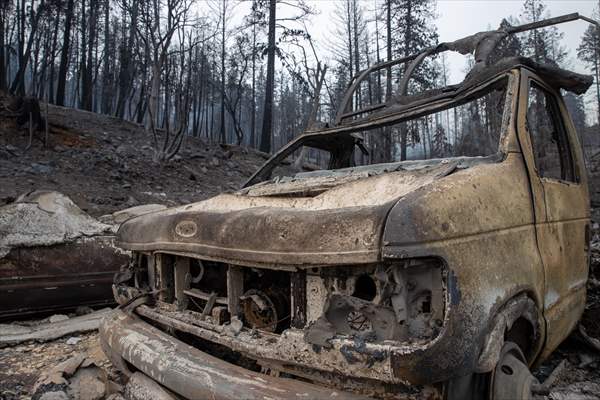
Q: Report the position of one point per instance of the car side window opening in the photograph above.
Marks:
(549, 141)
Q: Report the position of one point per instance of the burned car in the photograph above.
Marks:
(447, 274)
(55, 257)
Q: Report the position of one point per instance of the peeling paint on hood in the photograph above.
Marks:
(284, 229)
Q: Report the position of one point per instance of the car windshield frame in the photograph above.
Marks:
(335, 137)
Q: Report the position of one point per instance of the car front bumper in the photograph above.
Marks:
(131, 342)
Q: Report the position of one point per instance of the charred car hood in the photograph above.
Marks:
(305, 223)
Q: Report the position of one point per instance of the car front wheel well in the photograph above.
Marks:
(523, 334)
(517, 321)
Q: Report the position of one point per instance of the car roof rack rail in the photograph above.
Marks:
(481, 44)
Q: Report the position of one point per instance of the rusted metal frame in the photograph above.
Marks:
(411, 112)
(288, 348)
(164, 277)
(262, 174)
(358, 79)
(412, 67)
(242, 262)
(344, 113)
(549, 22)
(403, 86)
(370, 124)
(151, 271)
(563, 115)
(416, 61)
(210, 303)
(575, 143)
(182, 281)
(591, 21)
(197, 293)
(235, 288)
(298, 298)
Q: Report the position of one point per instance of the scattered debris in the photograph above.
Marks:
(589, 327)
(544, 388)
(24, 367)
(14, 334)
(76, 378)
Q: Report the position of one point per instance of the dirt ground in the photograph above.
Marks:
(105, 165)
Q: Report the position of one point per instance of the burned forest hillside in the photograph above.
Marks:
(105, 164)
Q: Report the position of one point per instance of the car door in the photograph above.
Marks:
(561, 201)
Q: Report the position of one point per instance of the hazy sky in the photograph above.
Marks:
(459, 18)
(455, 19)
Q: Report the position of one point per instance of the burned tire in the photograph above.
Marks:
(510, 380)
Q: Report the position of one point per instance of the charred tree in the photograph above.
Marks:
(267, 125)
(64, 56)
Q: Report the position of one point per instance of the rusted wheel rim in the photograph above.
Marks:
(511, 379)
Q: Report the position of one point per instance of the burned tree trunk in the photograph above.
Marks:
(64, 57)
(265, 137)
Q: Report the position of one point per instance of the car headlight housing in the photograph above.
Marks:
(400, 301)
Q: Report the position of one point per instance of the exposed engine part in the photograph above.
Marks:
(389, 301)
(347, 313)
(199, 273)
(398, 301)
(259, 311)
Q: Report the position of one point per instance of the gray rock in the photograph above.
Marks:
(72, 341)
(88, 383)
(122, 150)
(38, 168)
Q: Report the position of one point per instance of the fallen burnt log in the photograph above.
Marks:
(54, 256)
(12, 334)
